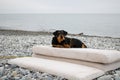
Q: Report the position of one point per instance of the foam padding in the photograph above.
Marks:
(68, 70)
(103, 67)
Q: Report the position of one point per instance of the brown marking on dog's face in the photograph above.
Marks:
(60, 34)
(60, 38)
(84, 46)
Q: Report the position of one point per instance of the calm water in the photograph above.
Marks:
(90, 24)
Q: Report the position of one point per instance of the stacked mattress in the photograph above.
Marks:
(71, 63)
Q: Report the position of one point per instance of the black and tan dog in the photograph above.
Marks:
(59, 40)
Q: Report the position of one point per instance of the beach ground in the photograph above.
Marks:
(19, 44)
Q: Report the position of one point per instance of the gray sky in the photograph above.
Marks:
(59, 6)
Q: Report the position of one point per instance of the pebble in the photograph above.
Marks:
(116, 77)
(16, 78)
(107, 77)
(13, 66)
(37, 75)
(14, 73)
(1, 71)
(118, 72)
(0, 64)
(46, 78)
(4, 78)
(23, 72)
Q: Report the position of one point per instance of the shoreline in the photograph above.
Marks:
(50, 33)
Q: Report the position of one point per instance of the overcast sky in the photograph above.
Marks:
(59, 6)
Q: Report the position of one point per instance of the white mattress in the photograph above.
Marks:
(70, 71)
(86, 54)
(103, 67)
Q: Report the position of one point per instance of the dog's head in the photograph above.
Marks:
(60, 35)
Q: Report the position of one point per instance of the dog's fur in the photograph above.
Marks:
(60, 40)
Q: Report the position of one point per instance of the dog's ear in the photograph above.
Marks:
(55, 33)
(65, 32)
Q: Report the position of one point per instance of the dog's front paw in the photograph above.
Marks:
(66, 46)
(58, 46)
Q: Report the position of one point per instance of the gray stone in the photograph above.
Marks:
(29, 75)
(27, 71)
(34, 79)
(11, 78)
(46, 78)
(44, 74)
(14, 73)
(6, 65)
(49, 78)
(17, 69)
(60, 78)
(1, 64)
(14, 66)
(22, 71)
(37, 74)
(118, 72)
(4, 78)
(34, 75)
(16, 78)
(1, 71)
(106, 77)
(9, 75)
(19, 75)
(23, 78)
(116, 77)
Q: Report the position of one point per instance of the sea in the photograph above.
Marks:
(88, 24)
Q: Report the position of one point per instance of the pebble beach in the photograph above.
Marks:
(19, 44)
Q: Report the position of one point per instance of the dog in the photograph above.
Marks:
(61, 41)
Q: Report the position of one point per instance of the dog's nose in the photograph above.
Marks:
(61, 37)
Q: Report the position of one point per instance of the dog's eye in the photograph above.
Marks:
(57, 35)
